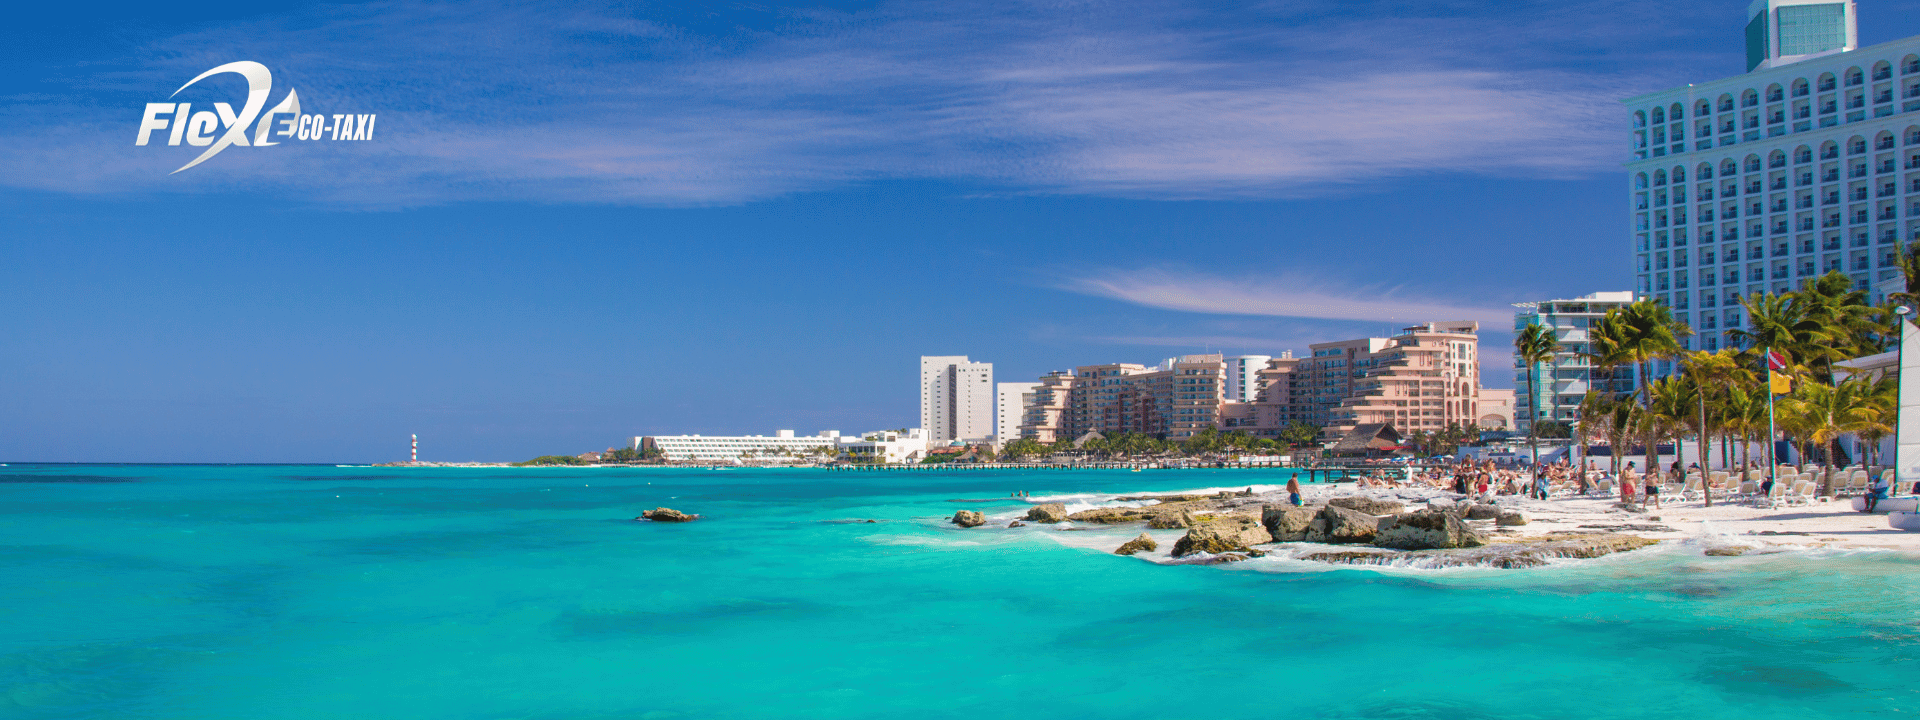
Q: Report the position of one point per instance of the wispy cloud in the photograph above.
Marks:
(581, 103)
(1278, 296)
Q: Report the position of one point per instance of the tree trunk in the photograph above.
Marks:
(1705, 464)
(1533, 423)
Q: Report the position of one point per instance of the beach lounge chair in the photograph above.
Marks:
(1603, 487)
(1857, 485)
(1744, 492)
(1692, 489)
(1778, 496)
(1801, 493)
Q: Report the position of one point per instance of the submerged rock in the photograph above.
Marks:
(1427, 529)
(1345, 526)
(1144, 543)
(1229, 534)
(968, 518)
(1369, 505)
(1016, 524)
(661, 514)
(1048, 513)
(1285, 522)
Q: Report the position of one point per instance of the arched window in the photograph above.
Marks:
(1679, 175)
(1883, 141)
(1726, 103)
(1704, 172)
(1855, 77)
(1749, 99)
(1857, 145)
(1774, 93)
(1659, 178)
(1640, 181)
(1676, 112)
(1639, 119)
(1729, 168)
(1777, 159)
(1829, 151)
(1800, 87)
(1882, 70)
(1704, 108)
(1910, 65)
(1659, 116)
(1913, 135)
(1803, 154)
(1826, 82)
(1753, 163)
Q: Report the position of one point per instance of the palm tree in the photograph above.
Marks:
(1535, 344)
(1637, 335)
(1745, 414)
(1826, 412)
(1670, 408)
(1711, 374)
(1910, 267)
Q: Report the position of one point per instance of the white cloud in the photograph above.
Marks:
(578, 103)
(1279, 296)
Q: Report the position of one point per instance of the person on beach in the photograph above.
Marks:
(1542, 485)
(1293, 492)
(1653, 490)
(1877, 492)
(1629, 476)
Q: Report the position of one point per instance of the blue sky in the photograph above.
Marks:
(581, 222)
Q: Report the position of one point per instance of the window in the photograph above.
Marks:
(1855, 77)
(1857, 146)
(1800, 87)
(1826, 82)
(1774, 94)
(1659, 116)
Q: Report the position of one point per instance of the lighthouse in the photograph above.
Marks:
(415, 457)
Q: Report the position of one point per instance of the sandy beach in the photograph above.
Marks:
(1819, 524)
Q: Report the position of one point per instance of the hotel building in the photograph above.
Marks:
(1243, 377)
(1010, 403)
(1808, 163)
(1427, 377)
(1046, 414)
(1563, 383)
(956, 398)
(713, 447)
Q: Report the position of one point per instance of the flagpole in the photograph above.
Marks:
(1773, 463)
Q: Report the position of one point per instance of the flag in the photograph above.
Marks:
(1781, 382)
(1776, 361)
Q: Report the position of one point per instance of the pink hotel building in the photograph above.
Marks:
(1424, 378)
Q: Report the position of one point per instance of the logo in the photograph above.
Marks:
(204, 128)
(1776, 361)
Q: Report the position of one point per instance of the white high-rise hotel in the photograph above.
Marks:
(956, 398)
(1808, 163)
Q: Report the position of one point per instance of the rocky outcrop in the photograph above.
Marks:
(1107, 516)
(968, 518)
(1234, 533)
(1483, 512)
(1016, 524)
(1285, 522)
(1048, 513)
(1144, 543)
(1427, 529)
(661, 514)
(1369, 505)
(1170, 520)
(1532, 553)
(1511, 518)
(1316, 530)
(1344, 526)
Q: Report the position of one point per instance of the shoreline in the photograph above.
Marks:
(1559, 528)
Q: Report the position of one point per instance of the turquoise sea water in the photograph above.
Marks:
(213, 592)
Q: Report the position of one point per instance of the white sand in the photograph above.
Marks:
(1819, 524)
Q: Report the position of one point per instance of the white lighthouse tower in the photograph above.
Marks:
(416, 449)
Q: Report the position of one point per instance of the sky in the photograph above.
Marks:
(580, 222)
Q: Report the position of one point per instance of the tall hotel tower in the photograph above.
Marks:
(1808, 163)
(956, 398)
